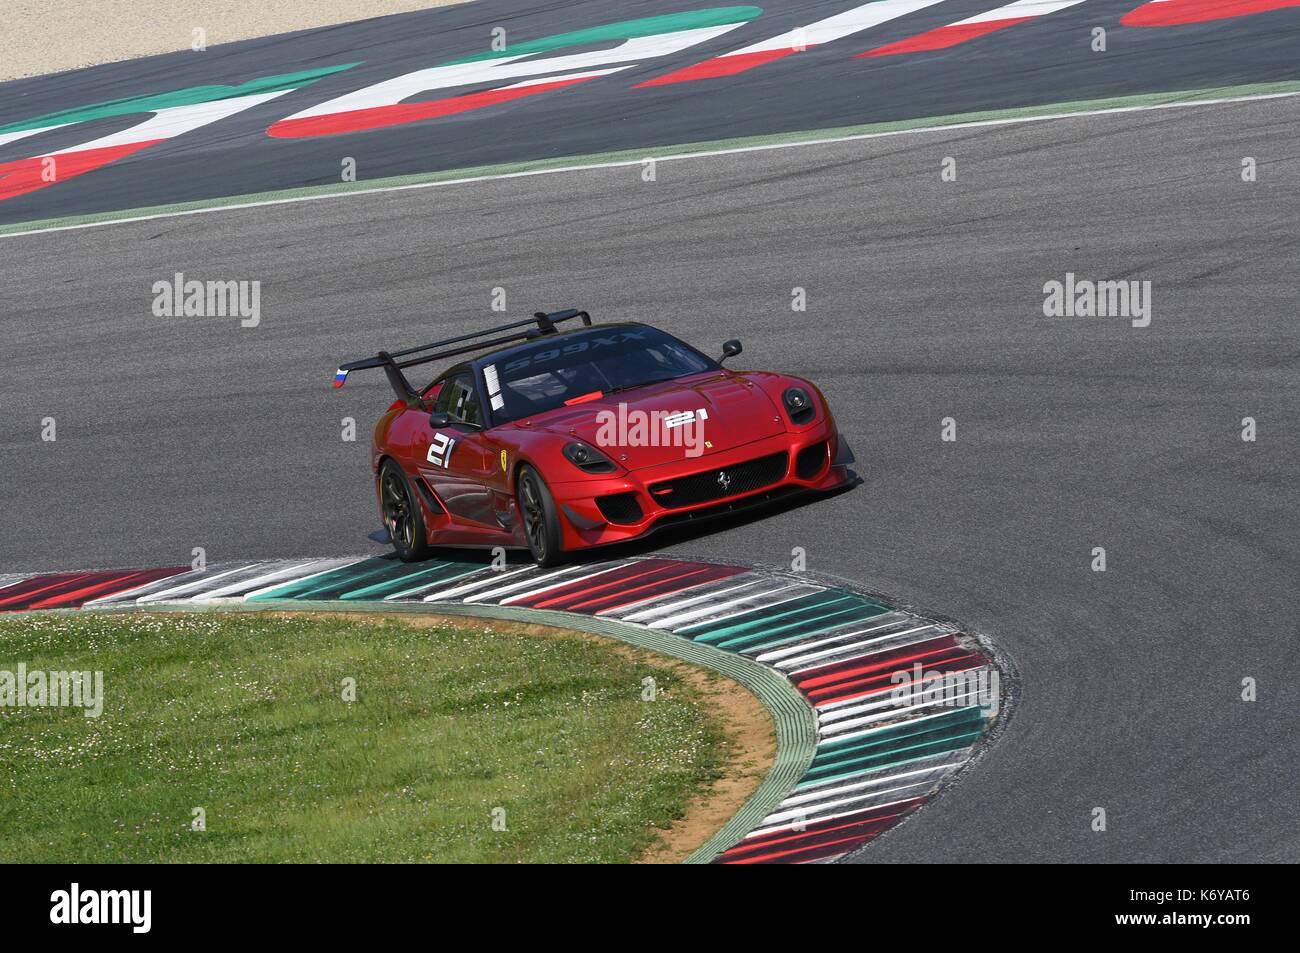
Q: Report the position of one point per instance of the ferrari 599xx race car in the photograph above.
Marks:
(560, 440)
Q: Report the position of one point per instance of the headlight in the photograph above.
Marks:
(799, 405)
(588, 459)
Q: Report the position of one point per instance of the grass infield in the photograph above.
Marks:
(243, 716)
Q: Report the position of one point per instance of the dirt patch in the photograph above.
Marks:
(751, 736)
(43, 37)
(752, 749)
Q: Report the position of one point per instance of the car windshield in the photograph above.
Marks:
(566, 370)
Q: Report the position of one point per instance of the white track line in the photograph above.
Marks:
(810, 819)
(668, 605)
(455, 592)
(796, 815)
(833, 28)
(186, 582)
(561, 584)
(813, 810)
(832, 728)
(288, 571)
(864, 650)
(861, 789)
(649, 153)
(554, 579)
(885, 621)
(653, 604)
(1020, 9)
(285, 576)
(764, 599)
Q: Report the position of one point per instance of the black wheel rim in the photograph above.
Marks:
(530, 501)
(398, 517)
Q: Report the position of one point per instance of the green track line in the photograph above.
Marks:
(896, 763)
(180, 97)
(623, 30)
(957, 718)
(425, 580)
(806, 628)
(338, 190)
(892, 759)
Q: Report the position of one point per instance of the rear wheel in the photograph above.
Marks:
(401, 514)
(541, 521)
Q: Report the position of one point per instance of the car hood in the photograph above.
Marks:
(669, 422)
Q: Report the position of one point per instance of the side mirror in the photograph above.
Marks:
(730, 349)
(439, 419)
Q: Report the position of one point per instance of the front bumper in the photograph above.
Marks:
(585, 524)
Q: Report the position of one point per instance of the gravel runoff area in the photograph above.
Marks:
(42, 37)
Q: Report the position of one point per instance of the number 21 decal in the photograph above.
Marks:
(440, 450)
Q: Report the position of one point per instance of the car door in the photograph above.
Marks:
(455, 462)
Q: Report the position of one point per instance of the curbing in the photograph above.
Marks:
(689, 150)
(877, 707)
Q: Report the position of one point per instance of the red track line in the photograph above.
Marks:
(377, 117)
(950, 666)
(24, 591)
(1179, 12)
(28, 175)
(719, 66)
(942, 37)
(785, 855)
(105, 584)
(583, 589)
(659, 587)
(834, 681)
(862, 830)
(790, 836)
(67, 590)
(853, 667)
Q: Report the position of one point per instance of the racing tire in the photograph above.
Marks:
(401, 513)
(540, 517)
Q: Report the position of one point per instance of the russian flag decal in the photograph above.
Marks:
(339, 377)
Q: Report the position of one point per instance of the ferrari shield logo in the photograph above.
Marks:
(504, 460)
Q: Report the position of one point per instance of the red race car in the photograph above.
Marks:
(561, 440)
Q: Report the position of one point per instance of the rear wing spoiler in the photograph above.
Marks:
(393, 363)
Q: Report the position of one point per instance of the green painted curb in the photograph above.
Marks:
(1187, 97)
(192, 96)
(795, 721)
(623, 30)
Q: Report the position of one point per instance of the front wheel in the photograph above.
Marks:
(401, 514)
(541, 521)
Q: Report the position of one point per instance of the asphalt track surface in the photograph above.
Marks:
(1047, 60)
(924, 302)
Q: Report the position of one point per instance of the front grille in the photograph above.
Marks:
(722, 509)
(620, 508)
(716, 484)
(808, 462)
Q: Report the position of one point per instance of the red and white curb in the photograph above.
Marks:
(901, 701)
